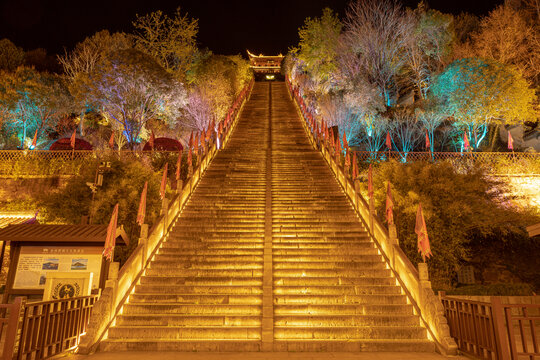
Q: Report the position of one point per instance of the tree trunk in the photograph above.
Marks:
(24, 135)
(494, 137)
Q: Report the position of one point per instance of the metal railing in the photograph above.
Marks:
(492, 330)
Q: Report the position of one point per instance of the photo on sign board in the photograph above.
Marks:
(50, 264)
(79, 264)
(42, 280)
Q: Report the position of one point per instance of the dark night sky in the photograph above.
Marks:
(226, 26)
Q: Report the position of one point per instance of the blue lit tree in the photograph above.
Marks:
(406, 130)
(481, 92)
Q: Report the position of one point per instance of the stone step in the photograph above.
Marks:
(335, 245)
(359, 249)
(188, 320)
(202, 281)
(345, 258)
(206, 265)
(179, 251)
(226, 273)
(318, 299)
(306, 237)
(358, 345)
(187, 333)
(216, 345)
(350, 332)
(215, 258)
(151, 285)
(192, 309)
(196, 299)
(343, 309)
(345, 320)
(345, 265)
(332, 280)
(212, 245)
(338, 290)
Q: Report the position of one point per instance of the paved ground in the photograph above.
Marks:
(260, 356)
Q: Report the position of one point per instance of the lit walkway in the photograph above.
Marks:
(262, 356)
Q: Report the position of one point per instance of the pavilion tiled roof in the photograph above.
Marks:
(58, 233)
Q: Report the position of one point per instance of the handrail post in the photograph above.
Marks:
(12, 328)
(143, 240)
(497, 314)
(165, 213)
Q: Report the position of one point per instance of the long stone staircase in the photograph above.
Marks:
(268, 255)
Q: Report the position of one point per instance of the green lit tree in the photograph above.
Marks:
(479, 92)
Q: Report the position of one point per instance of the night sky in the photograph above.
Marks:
(225, 26)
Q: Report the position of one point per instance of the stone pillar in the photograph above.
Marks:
(165, 213)
(179, 186)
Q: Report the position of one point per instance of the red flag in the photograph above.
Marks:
(421, 230)
(348, 159)
(465, 141)
(203, 136)
(389, 205)
(388, 141)
(354, 167)
(428, 144)
(111, 141)
(178, 165)
(110, 241)
(163, 182)
(152, 140)
(345, 143)
(72, 140)
(190, 143)
(510, 142)
(190, 157)
(338, 146)
(196, 142)
(34, 140)
(370, 182)
(220, 127)
(141, 214)
(331, 138)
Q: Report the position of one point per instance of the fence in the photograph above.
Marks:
(9, 323)
(484, 157)
(52, 327)
(26, 163)
(492, 330)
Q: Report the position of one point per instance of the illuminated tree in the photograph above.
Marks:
(478, 92)
(11, 56)
(130, 87)
(318, 48)
(79, 63)
(428, 46)
(431, 120)
(34, 100)
(374, 132)
(335, 111)
(505, 36)
(376, 34)
(171, 41)
(406, 133)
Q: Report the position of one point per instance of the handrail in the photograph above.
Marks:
(122, 283)
(415, 283)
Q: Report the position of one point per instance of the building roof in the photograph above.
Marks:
(14, 218)
(59, 233)
(533, 230)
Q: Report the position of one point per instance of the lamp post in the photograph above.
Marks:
(98, 182)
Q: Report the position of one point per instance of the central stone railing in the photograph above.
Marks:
(121, 282)
(415, 282)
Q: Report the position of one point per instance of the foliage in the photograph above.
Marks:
(376, 33)
(130, 87)
(34, 100)
(215, 82)
(171, 41)
(428, 46)
(460, 209)
(318, 47)
(505, 36)
(11, 56)
(477, 92)
(122, 184)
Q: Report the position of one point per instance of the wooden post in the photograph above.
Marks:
(372, 214)
(12, 328)
(497, 315)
